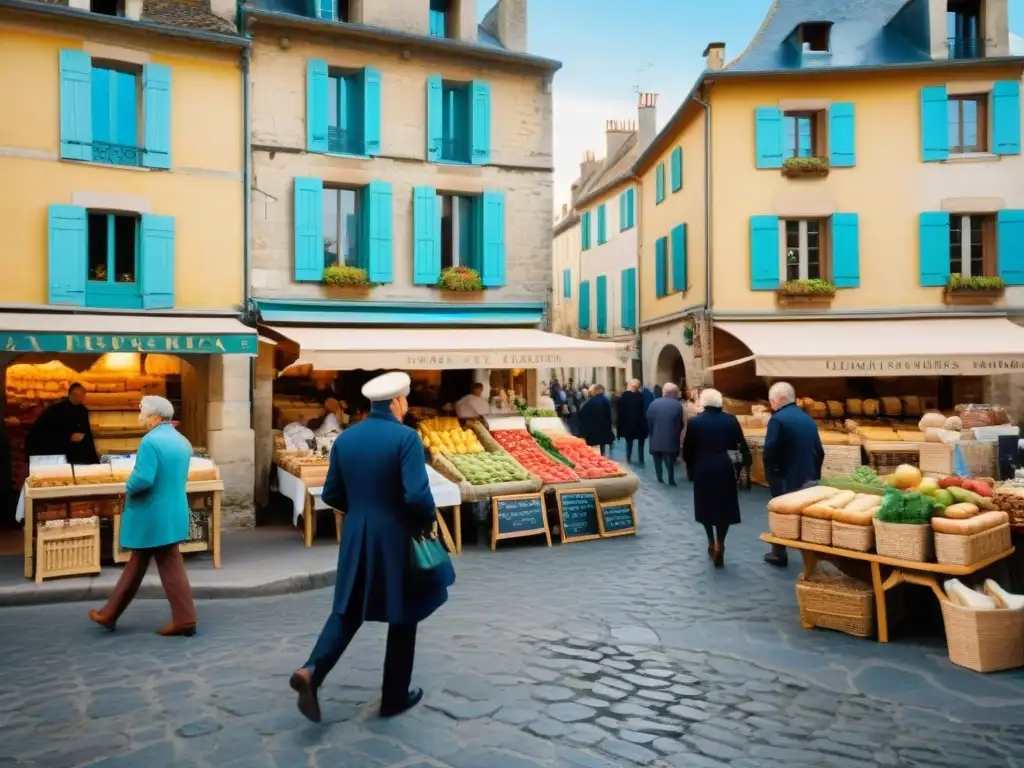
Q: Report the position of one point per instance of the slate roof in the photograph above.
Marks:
(185, 14)
(609, 172)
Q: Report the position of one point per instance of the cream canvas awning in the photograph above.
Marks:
(838, 348)
(349, 349)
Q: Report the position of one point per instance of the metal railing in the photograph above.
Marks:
(342, 142)
(965, 47)
(116, 154)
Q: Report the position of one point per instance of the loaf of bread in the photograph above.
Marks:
(864, 501)
(972, 525)
(854, 407)
(1003, 598)
(962, 595)
(861, 517)
(794, 503)
(961, 511)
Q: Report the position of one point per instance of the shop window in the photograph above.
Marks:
(107, 7)
(967, 120)
(972, 245)
(458, 230)
(341, 210)
(805, 250)
(441, 18)
(804, 134)
(113, 251)
(345, 113)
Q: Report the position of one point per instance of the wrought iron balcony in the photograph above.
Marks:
(342, 142)
(116, 154)
(966, 47)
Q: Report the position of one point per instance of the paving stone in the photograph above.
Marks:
(668, 746)
(514, 715)
(608, 692)
(461, 709)
(576, 653)
(643, 681)
(636, 635)
(632, 710)
(636, 737)
(552, 693)
(685, 691)
(586, 733)
(570, 712)
(689, 713)
(548, 728)
(663, 696)
(757, 708)
(628, 751)
(714, 749)
(198, 728)
(624, 666)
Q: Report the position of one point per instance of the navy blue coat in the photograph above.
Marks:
(378, 479)
(793, 454)
(665, 425)
(709, 438)
(596, 421)
(648, 398)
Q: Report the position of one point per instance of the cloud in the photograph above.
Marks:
(1016, 45)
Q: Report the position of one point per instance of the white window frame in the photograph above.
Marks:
(457, 260)
(357, 192)
(802, 249)
(965, 244)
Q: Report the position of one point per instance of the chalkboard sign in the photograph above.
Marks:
(617, 518)
(577, 515)
(522, 514)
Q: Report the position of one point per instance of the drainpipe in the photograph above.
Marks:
(709, 352)
(639, 277)
(246, 173)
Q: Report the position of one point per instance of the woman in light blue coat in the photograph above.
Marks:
(155, 520)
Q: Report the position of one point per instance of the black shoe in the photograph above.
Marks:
(302, 683)
(779, 562)
(411, 700)
(672, 483)
(661, 481)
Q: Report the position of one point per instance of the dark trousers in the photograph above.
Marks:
(668, 461)
(398, 657)
(172, 576)
(629, 449)
(716, 533)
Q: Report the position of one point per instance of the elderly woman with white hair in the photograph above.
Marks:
(155, 520)
(710, 438)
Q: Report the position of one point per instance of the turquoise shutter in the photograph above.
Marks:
(846, 250)
(768, 137)
(1010, 237)
(309, 230)
(631, 207)
(628, 306)
(934, 124)
(679, 258)
(764, 253)
(371, 111)
(842, 136)
(317, 101)
(583, 312)
(585, 230)
(435, 118)
(156, 99)
(933, 246)
(492, 231)
(156, 261)
(426, 250)
(677, 169)
(75, 105)
(68, 254)
(1006, 117)
(602, 224)
(480, 128)
(380, 239)
(660, 267)
(602, 304)
(659, 183)
(567, 283)
(622, 211)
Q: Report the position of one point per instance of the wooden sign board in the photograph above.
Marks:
(617, 518)
(518, 515)
(577, 515)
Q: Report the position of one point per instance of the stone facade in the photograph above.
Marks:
(656, 351)
(230, 437)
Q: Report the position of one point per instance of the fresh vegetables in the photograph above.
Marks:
(907, 508)
(962, 494)
(929, 486)
(906, 476)
(587, 464)
(867, 476)
(549, 448)
(949, 482)
(847, 484)
(943, 498)
(978, 487)
(529, 454)
(960, 511)
(488, 468)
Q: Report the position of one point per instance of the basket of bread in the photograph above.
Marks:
(984, 629)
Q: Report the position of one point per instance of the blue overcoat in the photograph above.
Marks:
(793, 453)
(377, 477)
(156, 505)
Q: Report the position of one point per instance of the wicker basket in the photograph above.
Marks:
(68, 551)
(952, 549)
(836, 602)
(936, 458)
(985, 641)
(757, 475)
(914, 543)
(885, 457)
(840, 459)
(859, 538)
(784, 526)
(816, 531)
(43, 513)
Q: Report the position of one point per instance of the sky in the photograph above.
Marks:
(610, 49)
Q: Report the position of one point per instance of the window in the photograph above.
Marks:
(968, 131)
(113, 245)
(602, 224)
(585, 231)
(332, 10)
(964, 37)
(440, 18)
(115, 116)
(814, 37)
(458, 230)
(659, 183)
(971, 245)
(566, 283)
(802, 131)
(455, 138)
(341, 227)
(344, 113)
(804, 250)
(627, 209)
(107, 7)
(458, 121)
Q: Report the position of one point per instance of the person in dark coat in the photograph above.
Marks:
(632, 420)
(648, 398)
(665, 428)
(793, 453)
(377, 477)
(710, 438)
(596, 420)
(63, 430)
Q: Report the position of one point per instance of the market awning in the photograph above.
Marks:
(88, 333)
(349, 349)
(837, 348)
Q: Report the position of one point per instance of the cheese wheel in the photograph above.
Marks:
(977, 524)
(794, 503)
(862, 518)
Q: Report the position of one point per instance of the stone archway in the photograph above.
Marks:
(670, 366)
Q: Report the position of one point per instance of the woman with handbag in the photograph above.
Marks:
(391, 568)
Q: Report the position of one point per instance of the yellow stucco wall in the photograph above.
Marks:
(889, 186)
(658, 220)
(203, 191)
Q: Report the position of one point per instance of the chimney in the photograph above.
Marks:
(616, 132)
(565, 210)
(507, 22)
(588, 165)
(648, 113)
(226, 9)
(715, 55)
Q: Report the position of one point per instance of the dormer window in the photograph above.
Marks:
(963, 29)
(332, 10)
(107, 7)
(814, 36)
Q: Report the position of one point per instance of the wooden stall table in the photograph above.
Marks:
(899, 571)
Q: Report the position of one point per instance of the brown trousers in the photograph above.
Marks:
(172, 576)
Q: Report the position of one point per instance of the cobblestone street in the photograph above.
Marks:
(610, 653)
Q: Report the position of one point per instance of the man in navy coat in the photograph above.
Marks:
(793, 454)
(377, 477)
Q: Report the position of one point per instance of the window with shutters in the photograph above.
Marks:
(805, 253)
(441, 18)
(455, 144)
(804, 134)
(967, 118)
(333, 10)
(972, 245)
(116, 120)
(965, 33)
(345, 119)
(458, 215)
(342, 209)
(112, 260)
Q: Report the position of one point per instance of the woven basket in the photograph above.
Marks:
(985, 641)
(69, 551)
(757, 475)
(836, 602)
(937, 458)
(951, 549)
(816, 531)
(884, 462)
(904, 542)
(784, 526)
(840, 459)
(859, 538)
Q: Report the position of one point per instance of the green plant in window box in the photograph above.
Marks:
(815, 287)
(805, 166)
(353, 277)
(688, 336)
(461, 279)
(961, 283)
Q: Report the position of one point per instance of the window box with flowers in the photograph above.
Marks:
(347, 281)
(805, 167)
(461, 284)
(806, 292)
(973, 289)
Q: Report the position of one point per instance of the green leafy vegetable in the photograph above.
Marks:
(867, 476)
(905, 508)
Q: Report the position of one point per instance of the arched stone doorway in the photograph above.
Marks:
(670, 366)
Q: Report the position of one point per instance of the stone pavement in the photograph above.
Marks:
(622, 652)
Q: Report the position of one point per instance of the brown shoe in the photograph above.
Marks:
(301, 682)
(719, 556)
(103, 621)
(177, 630)
(711, 551)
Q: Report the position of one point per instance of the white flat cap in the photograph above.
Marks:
(387, 387)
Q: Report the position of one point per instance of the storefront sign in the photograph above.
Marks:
(906, 366)
(452, 360)
(90, 344)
